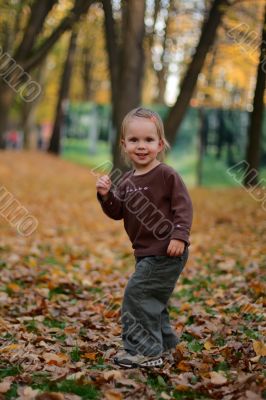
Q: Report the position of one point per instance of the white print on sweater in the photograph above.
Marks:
(129, 189)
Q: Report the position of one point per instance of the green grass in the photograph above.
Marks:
(183, 160)
(9, 371)
(222, 366)
(12, 393)
(42, 382)
(31, 326)
(52, 323)
(57, 290)
(75, 354)
(189, 395)
(77, 151)
(85, 391)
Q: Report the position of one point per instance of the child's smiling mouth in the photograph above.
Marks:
(141, 155)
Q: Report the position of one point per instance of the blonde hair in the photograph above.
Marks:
(152, 116)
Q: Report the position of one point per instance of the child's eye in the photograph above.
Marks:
(150, 139)
(132, 139)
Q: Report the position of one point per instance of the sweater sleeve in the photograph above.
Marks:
(112, 206)
(181, 206)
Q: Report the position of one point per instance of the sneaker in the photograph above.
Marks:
(127, 360)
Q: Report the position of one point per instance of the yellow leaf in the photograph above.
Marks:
(259, 348)
(32, 262)
(185, 306)
(10, 347)
(208, 345)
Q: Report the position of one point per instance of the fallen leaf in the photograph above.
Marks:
(127, 382)
(259, 348)
(55, 359)
(10, 347)
(89, 356)
(113, 395)
(165, 396)
(27, 393)
(208, 345)
(50, 396)
(252, 396)
(217, 378)
(227, 265)
(5, 384)
(112, 374)
(184, 366)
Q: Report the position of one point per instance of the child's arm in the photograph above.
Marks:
(110, 204)
(181, 206)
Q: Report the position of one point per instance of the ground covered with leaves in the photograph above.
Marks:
(61, 290)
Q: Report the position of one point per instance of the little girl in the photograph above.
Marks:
(157, 211)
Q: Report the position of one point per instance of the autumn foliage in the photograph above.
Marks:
(61, 289)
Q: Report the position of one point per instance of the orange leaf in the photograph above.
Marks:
(55, 359)
(90, 356)
(184, 366)
(182, 388)
(70, 329)
(113, 395)
(14, 287)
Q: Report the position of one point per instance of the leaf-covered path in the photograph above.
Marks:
(61, 289)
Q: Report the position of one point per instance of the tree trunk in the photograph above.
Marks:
(6, 99)
(113, 59)
(86, 72)
(177, 112)
(163, 73)
(130, 70)
(39, 12)
(199, 168)
(54, 145)
(29, 58)
(29, 110)
(256, 117)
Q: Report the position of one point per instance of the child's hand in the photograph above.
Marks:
(176, 248)
(103, 185)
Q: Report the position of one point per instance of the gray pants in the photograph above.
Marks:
(145, 320)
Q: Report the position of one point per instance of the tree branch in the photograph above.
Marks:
(39, 12)
(111, 44)
(39, 53)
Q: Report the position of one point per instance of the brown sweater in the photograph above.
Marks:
(155, 206)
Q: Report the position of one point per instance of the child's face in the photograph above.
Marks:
(142, 143)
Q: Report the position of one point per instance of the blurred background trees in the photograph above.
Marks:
(199, 63)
